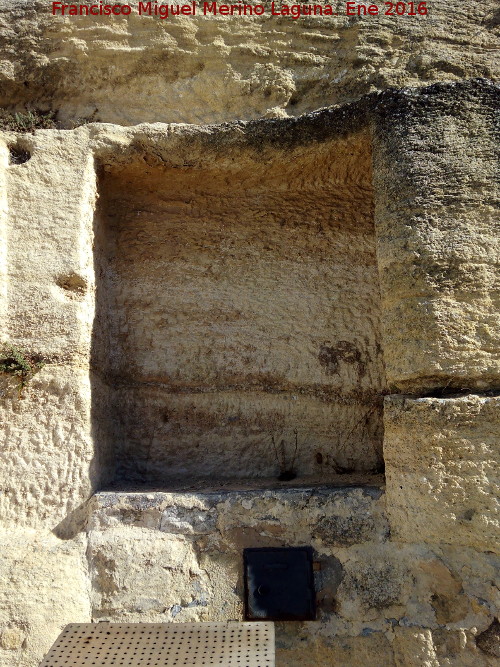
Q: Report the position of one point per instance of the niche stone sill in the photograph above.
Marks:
(221, 485)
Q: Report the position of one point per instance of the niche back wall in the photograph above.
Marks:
(237, 302)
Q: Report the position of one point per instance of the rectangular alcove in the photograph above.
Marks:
(237, 303)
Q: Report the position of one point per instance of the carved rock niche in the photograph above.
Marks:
(237, 304)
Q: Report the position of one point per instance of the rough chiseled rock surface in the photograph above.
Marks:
(202, 69)
(437, 198)
(44, 585)
(267, 320)
(442, 462)
(409, 575)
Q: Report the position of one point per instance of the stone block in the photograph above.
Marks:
(45, 586)
(442, 462)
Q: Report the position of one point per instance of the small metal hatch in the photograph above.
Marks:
(279, 584)
(163, 645)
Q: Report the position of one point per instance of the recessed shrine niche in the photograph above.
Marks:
(237, 316)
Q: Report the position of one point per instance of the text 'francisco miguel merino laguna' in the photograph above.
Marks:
(294, 11)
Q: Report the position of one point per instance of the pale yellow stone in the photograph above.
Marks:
(414, 648)
(196, 289)
(205, 69)
(11, 639)
(44, 586)
(442, 463)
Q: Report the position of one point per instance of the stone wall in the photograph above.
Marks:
(167, 557)
(206, 69)
(407, 569)
(241, 303)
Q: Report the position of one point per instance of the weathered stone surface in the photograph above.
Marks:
(442, 470)
(178, 556)
(186, 548)
(489, 640)
(295, 650)
(330, 389)
(425, 648)
(45, 585)
(206, 69)
(437, 196)
(422, 593)
(12, 638)
(376, 581)
(49, 461)
(448, 599)
(414, 647)
(49, 231)
(266, 322)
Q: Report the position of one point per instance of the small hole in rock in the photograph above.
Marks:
(72, 282)
(287, 476)
(18, 155)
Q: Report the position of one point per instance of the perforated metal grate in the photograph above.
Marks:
(163, 645)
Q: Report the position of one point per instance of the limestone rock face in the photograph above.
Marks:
(202, 69)
(442, 459)
(262, 290)
(44, 587)
(192, 288)
(489, 640)
(436, 213)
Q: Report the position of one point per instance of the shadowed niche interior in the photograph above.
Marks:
(236, 333)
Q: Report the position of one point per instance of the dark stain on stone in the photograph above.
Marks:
(493, 20)
(327, 581)
(489, 640)
(104, 579)
(377, 586)
(18, 155)
(331, 356)
(345, 531)
(449, 608)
